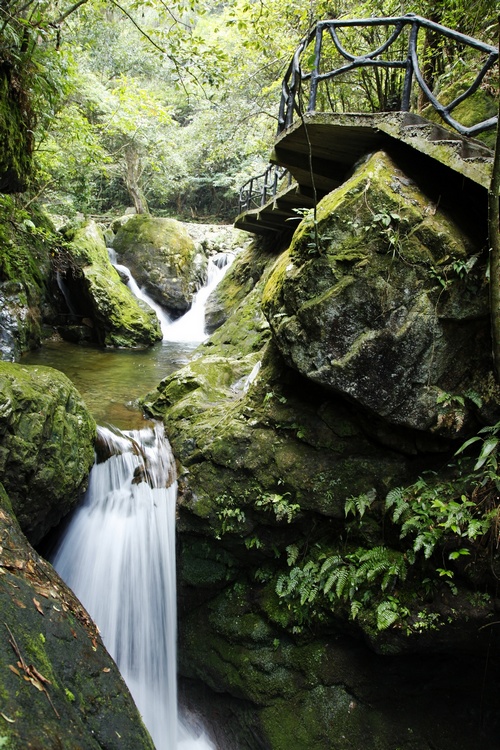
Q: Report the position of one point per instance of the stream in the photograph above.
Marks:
(118, 550)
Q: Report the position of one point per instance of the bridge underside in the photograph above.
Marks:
(320, 151)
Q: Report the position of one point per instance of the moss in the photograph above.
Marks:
(479, 106)
(119, 318)
(46, 444)
(16, 135)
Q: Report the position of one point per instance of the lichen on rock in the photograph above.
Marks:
(378, 300)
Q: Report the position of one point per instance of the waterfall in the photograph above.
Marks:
(134, 287)
(191, 326)
(118, 556)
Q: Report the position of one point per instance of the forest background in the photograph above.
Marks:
(169, 107)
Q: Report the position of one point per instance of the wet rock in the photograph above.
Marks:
(163, 259)
(59, 686)
(380, 302)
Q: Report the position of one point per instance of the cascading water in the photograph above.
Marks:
(118, 552)
(191, 327)
(165, 321)
(118, 556)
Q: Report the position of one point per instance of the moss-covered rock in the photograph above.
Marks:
(118, 319)
(478, 107)
(319, 691)
(46, 445)
(268, 459)
(163, 259)
(379, 302)
(27, 240)
(58, 685)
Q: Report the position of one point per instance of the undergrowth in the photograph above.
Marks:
(432, 534)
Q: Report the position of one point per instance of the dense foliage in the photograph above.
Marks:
(168, 107)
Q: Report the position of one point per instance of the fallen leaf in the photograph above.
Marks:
(20, 603)
(106, 669)
(37, 605)
(13, 669)
(38, 675)
(11, 721)
(36, 683)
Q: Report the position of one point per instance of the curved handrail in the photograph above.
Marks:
(261, 188)
(295, 76)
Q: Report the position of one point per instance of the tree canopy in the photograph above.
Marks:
(167, 106)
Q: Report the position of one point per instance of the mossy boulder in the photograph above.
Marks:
(58, 686)
(163, 258)
(316, 691)
(478, 107)
(383, 300)
(46, 445)
(118, 319)
(27, 240)
(268, 459)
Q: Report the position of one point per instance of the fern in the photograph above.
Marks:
(360, 504)
(387, 614)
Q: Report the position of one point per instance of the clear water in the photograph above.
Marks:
(112, 381)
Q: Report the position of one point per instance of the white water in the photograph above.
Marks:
(134, 287)
(118, 556)
(189, 328)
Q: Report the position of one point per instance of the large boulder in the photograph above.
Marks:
(59, 686)
(377, 299)
(96, 290)
(163, 258)
(270, 461)
(46, 445)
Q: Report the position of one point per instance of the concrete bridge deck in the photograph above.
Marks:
(321, 149)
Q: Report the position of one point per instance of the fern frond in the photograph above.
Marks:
(386, 614)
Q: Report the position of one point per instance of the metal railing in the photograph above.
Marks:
(392, 79)
(257, 191)
(322, 46)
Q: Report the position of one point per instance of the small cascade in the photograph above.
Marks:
(165, 321)
(191, 326)
(63, 288)
(118, 556)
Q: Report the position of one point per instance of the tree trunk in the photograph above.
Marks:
(132, 177)
(494, 243)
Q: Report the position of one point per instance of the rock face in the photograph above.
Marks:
(24, 277)
(163, 258)
(117, 318)
(46, 445)
(279, 433)
(59, 686)
(385, 309)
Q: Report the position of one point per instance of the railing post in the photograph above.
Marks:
(412, 43)
(315, 70)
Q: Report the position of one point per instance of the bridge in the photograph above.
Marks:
(356, 86)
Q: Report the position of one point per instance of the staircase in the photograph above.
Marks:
(321, 150)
